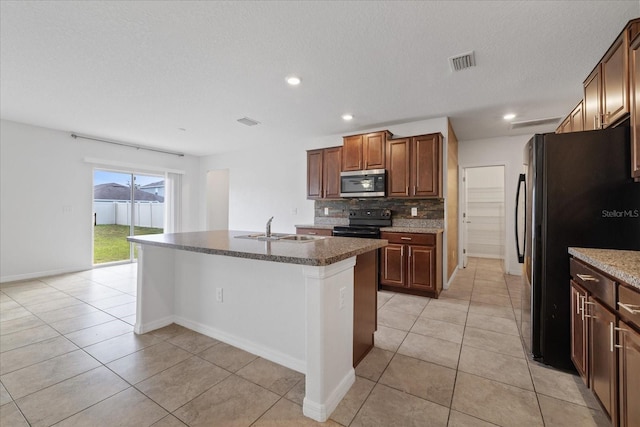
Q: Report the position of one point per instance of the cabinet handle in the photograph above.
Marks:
(312, 232)
(582, 300)
(577, 303)
(631, 308)
(587, 278)
(405, 238)
(620, 330)
(408, 194)
(595, 121)
(402, 251)
(415, 190)
(611, 344)
(587, 303)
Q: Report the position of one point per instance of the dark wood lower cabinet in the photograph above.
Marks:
(602, 356)
(605, 340)
(393, 271)
(629, 369)
(412, 263)
(579, 331)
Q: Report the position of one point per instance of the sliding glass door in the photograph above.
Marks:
(124, 204)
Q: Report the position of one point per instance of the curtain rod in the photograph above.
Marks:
(137, 147)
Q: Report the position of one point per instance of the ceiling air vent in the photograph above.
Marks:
(247, 121)
(462, 61)
(536, 122)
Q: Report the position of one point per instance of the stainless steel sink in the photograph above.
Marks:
(281, 236)
(301, 238)
(263, 236)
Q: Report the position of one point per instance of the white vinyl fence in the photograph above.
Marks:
(147, 214)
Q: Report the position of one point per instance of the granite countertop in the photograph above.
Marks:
(622, 265)
(321, 252)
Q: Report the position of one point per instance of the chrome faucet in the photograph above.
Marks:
(268, 233)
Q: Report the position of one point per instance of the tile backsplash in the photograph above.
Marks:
(430, 211)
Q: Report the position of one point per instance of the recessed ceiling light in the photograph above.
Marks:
(509, 116)
(293, 80)
(347, 117)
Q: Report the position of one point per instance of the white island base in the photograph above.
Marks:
(299, 316)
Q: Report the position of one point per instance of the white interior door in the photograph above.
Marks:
(484, 212)
(465, 259)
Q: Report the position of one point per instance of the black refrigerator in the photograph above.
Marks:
(576, 191)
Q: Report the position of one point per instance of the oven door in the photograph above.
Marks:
(359, 232)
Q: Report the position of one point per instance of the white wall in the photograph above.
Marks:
(272, 181)
(507, 151)
(46, 189)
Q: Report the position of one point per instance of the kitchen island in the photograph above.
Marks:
(289, 301)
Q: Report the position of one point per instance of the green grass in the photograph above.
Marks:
(110, 241)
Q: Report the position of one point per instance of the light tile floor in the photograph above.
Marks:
(69, 357)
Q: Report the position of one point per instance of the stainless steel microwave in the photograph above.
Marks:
(367, 183)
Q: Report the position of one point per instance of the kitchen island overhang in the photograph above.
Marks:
(286, 301)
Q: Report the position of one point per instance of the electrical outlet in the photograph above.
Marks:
(326, 211)
(343, 290)
(219, 294)
(414, 211)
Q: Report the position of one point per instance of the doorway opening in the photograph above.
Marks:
(484, 212)
(124, 204)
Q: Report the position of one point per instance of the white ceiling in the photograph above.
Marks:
(139, 71)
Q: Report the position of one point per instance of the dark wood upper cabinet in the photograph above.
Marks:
(363, 152)
(574, 122)
(606, 90)
(615, 81)
(414, 166)
(592, 100)
(352, 153)
(374, 150)
(331, 172)
(634, 85)
(323, 173)
(314, 174)
(398, 165)
(426, 165)
(577, 118)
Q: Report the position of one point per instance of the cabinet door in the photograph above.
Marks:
(332, 163)
(421, 267)
(374, 150)
(398, 152)
(314, 174)
(592, 100)
(614, 69)
(393, 265)
(629, 372)
(579, 331)
(577, 119)
(425, 166)
(565, 126)
(352, 153)
(634, 76)
(602, 356)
